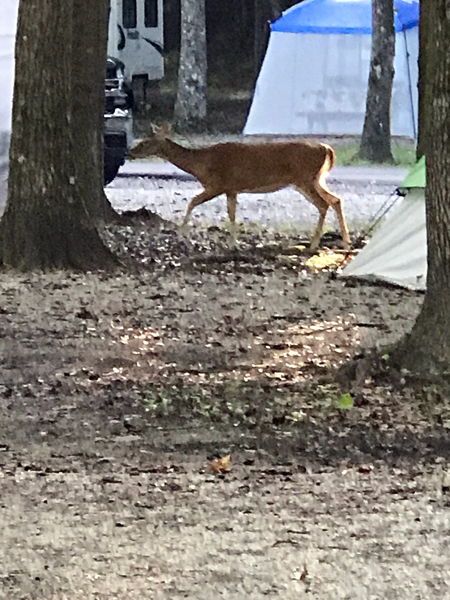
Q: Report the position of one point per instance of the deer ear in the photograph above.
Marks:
(162, 132)
(165, 129)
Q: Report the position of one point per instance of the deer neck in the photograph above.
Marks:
(181, 157)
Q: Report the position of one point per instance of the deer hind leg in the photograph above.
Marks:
(336, 203)
(311, 194)
(319, 228)
(196, 201)
(320, 195)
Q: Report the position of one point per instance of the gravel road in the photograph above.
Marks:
(167, 191)
(162, 188)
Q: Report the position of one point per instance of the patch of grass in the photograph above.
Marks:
(347, 155)
(246, 404)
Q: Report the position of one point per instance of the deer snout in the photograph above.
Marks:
(138, 150)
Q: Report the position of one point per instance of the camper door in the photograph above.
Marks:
(136, 36)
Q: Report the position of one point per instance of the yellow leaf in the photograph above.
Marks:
(220, 465)
(324, 260)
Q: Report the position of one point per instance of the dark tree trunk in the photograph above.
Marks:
(259, 35)
(89, 42)
(425, 33)
(427, 348)
(376, 136)
(265, 11)
(54, 189)
(190, 105)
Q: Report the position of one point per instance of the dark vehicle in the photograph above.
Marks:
(119, 106)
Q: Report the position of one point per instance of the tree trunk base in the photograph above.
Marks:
(41, 247)
(422, 355)
(376, 153)
(426, 349)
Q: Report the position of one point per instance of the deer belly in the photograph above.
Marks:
(265, 189)
(256, 178)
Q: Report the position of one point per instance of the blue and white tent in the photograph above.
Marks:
(314, 76)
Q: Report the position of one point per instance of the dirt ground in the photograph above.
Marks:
(119, 392)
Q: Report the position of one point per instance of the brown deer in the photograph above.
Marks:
(232, 168)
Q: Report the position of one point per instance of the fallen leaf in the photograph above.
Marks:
(345, 401)
(324, 260)
(220, 465)
(301, 575)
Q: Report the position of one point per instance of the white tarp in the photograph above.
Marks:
(397, 252)
(8, 19)
(316, 83)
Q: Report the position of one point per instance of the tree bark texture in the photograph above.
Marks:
(55, 180)
(376, 136)
(427, 348)
(425, 38)
(265, 11)
(88, 63)
(190, 105)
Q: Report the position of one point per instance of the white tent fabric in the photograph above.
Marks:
(397, 252)
(313, 80)
(8, 19)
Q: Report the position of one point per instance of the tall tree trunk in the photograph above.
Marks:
(259, 35)
(190, 105)
(265, 11)
(427, 348)
(53, 190)
(88, 64)
(376, 136)
(426, 32)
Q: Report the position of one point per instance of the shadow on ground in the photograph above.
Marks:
(118, 391)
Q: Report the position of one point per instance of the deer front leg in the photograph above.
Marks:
(312, 195)
(196, 201)
(231, 206)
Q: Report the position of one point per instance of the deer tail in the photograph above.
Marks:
(330, 159)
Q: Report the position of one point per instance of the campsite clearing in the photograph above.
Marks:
(117, 392)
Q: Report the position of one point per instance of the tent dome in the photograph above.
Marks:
(342, 16)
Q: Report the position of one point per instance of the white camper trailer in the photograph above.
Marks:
(135, 37)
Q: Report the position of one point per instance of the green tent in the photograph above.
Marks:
(397, 252)
(416, 178)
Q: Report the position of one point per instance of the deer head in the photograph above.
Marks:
(151, 146)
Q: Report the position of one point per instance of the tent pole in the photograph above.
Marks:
(410, 85)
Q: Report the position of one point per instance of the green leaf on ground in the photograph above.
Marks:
(345, 401)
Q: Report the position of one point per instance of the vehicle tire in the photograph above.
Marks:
(110, 170)
(114, 152)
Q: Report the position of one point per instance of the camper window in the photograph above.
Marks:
(151, 13)
(129, 14)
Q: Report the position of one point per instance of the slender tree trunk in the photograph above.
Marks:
(425, 38)
(190, 105)
(376, 136)
(427, 348)
(53, 190)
